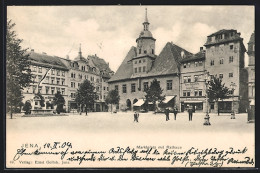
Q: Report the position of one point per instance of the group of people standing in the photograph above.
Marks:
(175, 111)
(167, 113)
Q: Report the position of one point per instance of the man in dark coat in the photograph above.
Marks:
(167, 112)
(136, 116)
(190, 111)
(175, 111)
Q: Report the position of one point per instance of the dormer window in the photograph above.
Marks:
(184, 65)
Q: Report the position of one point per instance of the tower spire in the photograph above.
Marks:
(80, 53)
(146, 23)
(146, 19)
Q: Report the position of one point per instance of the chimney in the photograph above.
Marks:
(44, 53)
(201, 48)
(67, 57)
(32, 50)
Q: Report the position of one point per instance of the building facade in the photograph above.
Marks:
(251, 69)
(225, 59)
(192, 83)
(141, 66)
(56, 79)
(66, 75)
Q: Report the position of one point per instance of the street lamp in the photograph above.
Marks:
(233, 86)
(207, 79)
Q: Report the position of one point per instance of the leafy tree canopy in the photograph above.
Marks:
(18, 73)
(154, 92)
(86, 95)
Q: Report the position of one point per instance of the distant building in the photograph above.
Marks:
(66, 75)
(192, 83)
(141, 66)
(225, 59)
(251, 69)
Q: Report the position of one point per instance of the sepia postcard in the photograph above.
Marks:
(130, 86)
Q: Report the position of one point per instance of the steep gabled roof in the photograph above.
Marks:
(166, 63)
(196, 57)
(46, 60)
(101, 65)
(252, 38)
(125, 70)
(168, 60)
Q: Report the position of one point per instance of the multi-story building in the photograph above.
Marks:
(192, 84)
(66, 75)
(92, 68)
(56, 79)
(251, 69)
(141, 66)
(225, 59)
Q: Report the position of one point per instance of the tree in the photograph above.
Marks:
(59, 101)
(217, 91)
(18, 73)
(27, 107)
(86, 95)
(112, 98)
(154, 93)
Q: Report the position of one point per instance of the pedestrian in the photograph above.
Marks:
(190, 111)
(167, 111)
(136, 116)
(175, 111)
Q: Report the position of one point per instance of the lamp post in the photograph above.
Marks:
(233, 86)
(206, 122)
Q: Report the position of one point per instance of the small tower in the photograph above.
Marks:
(142, 63)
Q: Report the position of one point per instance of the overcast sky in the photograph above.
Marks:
(110, 31)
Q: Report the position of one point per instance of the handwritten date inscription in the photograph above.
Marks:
(193, 157)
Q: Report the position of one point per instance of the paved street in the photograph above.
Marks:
(99, 130)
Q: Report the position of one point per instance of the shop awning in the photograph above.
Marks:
(168, 98)
(140, 102)
(192, 101)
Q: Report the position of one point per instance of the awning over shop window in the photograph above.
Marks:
(168, 98)
(193, 101)
(140, 102)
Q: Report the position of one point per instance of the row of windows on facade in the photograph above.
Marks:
(221, 36)
(80, 76)
(221, 61)
(145, 86)
(196, 64)
(231, 47)
(73, 95)
(145, 51)
(58, 72)
(197, 78)
(139, 69)
(59, 81)
(187, 93)
(83, 68)
(73, 85)
(48, 90)
(140, 61)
